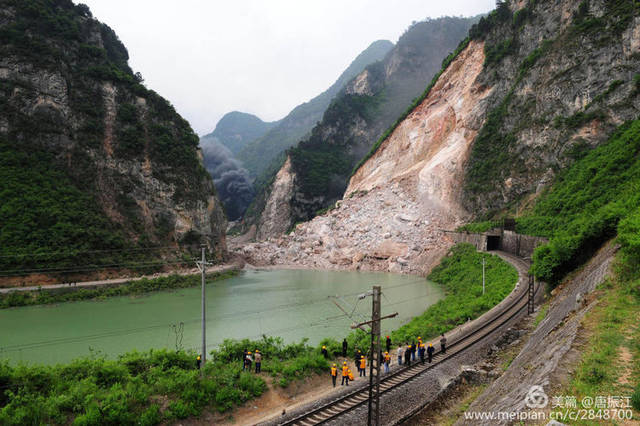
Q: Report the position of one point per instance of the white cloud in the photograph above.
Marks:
(256, 56)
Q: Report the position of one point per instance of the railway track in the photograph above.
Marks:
(466, 337)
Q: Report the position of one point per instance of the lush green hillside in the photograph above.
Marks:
(237, 129)
(82, 142)
(591, 202)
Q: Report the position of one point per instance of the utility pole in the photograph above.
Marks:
(204, 308)
(483, 275)
(531, 295)
(373, 418)
(202, 265)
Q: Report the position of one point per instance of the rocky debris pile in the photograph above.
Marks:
(384, 229)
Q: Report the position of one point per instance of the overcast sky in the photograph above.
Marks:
(264, 57)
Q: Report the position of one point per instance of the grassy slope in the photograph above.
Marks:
(598, 198)
(587, 205)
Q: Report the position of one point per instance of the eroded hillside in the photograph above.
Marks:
(538, 86)
(403, 197)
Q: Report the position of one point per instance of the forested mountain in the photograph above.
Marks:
(261, 153)
(243, 150)
(91, 159)
(236, 129)
(364, 108)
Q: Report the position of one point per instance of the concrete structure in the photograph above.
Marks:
(499, 239)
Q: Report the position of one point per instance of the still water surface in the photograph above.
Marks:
(292, 304)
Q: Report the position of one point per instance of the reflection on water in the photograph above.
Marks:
(290, 303)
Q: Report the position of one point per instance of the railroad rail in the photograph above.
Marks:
(469, 335)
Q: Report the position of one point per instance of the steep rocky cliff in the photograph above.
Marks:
(98, 160)
(538, 84)
(367, 105)
(563, 75)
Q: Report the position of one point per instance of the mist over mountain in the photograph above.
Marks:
(232, 181)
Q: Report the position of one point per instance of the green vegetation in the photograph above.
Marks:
(491, 148)
(612, 327)
(138, 388)
(494, 54)
(541, 314)
(132, 288)
(284, 363)
(616, 18)
(591, 202)
(261, 153)
(162, 386)
(43, 211)
(49, 192)
(460, 274)
(150, 387)
(497, 17)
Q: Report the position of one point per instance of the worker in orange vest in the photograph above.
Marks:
(387, 361)
(334, 374)
(350, 374)
(363, 366)
(345, 373)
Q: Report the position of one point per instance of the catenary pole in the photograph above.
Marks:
(204, 312)
(483, 275)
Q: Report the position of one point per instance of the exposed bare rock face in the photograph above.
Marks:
(359, 114)
(430, 148)
(405, 195)
(275, 218)
(561, 89)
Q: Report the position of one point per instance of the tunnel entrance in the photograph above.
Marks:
(493, 242)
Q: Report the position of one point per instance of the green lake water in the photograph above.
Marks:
(292, 304)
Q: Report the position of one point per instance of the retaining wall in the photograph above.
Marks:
(510, 242)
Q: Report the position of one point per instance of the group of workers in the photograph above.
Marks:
(247, 360)
(406, 354)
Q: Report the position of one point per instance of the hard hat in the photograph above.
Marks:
(362, 356)
(385, 352)
(344, 363)
(334, 365)
(324, 347)
(419, 338)
(198, 356)
(257, 351)
(249, 353)
(387, 337)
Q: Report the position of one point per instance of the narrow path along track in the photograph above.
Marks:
(461, 339)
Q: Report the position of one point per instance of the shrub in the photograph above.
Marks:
(589, 203)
